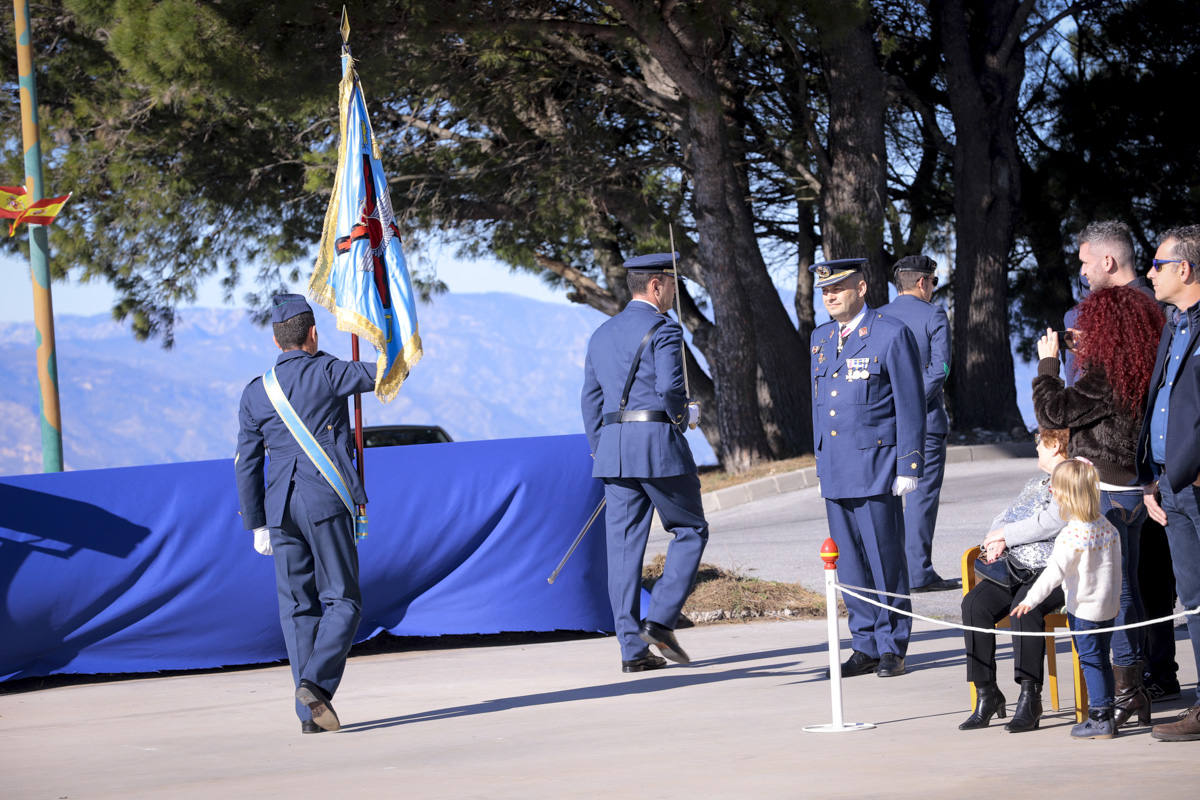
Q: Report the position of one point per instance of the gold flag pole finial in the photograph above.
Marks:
(345, 28)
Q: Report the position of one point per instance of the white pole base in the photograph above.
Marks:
(845, 727)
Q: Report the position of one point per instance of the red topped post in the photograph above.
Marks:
(829, 553)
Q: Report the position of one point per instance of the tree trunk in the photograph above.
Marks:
(853, 190)
(985, 64)
(733, 368)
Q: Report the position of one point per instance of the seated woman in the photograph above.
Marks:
(1115, 345)
(1017, 547)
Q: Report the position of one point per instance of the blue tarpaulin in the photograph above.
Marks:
(149, 568)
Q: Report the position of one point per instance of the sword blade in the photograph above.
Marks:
(687, 390)
(586, 526)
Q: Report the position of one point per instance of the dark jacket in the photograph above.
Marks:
(1183, 419)
(1101, 432)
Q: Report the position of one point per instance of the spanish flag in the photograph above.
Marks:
(15, 205)
(360, 274)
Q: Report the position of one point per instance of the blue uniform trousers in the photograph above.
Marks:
(920, 513)
(869, 535)
(630, 502)
(316, 578)
(1183, 534)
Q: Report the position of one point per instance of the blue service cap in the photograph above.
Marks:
(287, 306)
(830, 272)
(654, 262)
(916, 264)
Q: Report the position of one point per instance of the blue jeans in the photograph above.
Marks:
(1093, 659)
(1183, 534)
(1127, 512)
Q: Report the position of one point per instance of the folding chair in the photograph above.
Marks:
(1053, 622)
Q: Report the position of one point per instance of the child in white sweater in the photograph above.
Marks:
(1086, 561)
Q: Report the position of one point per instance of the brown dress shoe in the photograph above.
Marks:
(1185, 729)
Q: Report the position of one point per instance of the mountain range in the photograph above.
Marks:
(495, 365)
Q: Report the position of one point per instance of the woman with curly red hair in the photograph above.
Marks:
(1116, 341)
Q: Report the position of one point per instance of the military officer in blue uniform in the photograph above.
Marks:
(868, 432)
(635, 412)
(299, 517)
(915, 282)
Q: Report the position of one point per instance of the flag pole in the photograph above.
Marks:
(39, 249)
(358, 435)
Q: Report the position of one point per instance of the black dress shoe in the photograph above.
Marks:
(317, 700)
(308, 726)
(940, 585)
(646, 662)
(664, 639)
(859, 663)
(890, 665)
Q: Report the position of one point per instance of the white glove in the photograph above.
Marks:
(903, 485)
(262, 541)
(693, 414)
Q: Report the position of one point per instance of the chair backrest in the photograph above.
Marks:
(968, 568)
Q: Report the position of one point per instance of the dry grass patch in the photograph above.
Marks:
(713, 478)
(721, 594)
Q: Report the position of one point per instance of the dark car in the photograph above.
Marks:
(390, 435)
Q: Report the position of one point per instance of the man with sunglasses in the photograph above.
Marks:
(915, 281)
(1168, 456)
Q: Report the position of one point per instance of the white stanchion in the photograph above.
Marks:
(829, 554)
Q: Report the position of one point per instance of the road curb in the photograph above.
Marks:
(806, 478)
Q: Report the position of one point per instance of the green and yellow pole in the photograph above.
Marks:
(39, 250)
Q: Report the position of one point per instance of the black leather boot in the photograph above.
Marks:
(1029, 709)
(988, 701)
(1131, 697)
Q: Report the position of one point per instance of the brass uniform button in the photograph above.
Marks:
(835, 374)
(328, 427)
(833, 433)
(913, 465)
(879, 441)
(832, 413)
(833, 393)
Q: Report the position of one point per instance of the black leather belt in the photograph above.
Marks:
(617, 417)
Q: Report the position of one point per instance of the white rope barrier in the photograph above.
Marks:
(999, 631)
(829, 554)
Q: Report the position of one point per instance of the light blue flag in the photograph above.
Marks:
(360, 275)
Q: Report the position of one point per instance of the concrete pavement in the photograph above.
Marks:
(560, 720)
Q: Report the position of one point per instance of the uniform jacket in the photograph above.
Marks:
(317, 387)
(636, 449)
(931, 329)
(868, 407)
(1183, 418)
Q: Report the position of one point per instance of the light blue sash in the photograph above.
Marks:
(312, 448)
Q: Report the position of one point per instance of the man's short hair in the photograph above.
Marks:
(638, 281)
(292, 333)
(1116, 235)
(1187, 243)
(906, 281)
